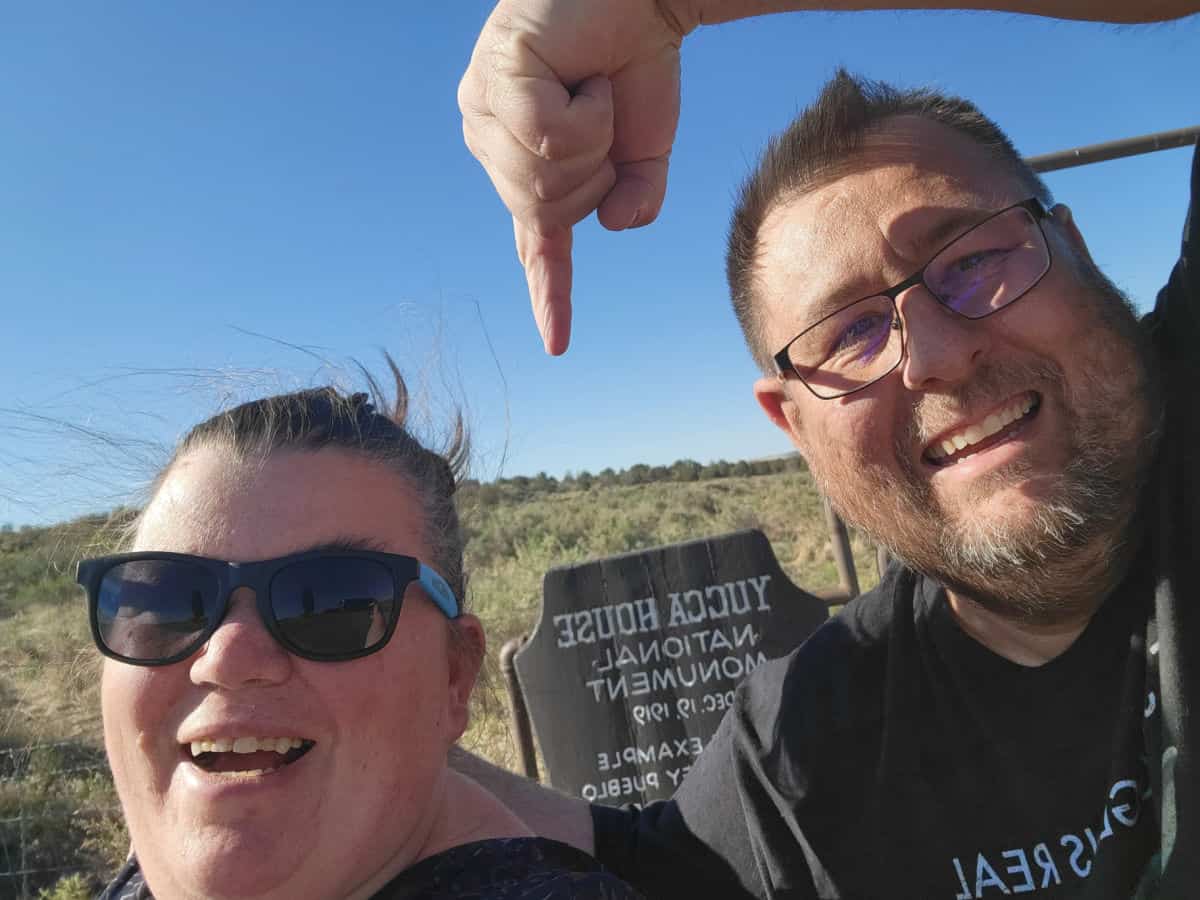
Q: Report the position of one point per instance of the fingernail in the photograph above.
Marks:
(637, 215)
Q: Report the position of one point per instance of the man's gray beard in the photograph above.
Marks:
(1065, 559)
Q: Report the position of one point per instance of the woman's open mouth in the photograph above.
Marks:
(998, 427)
(246, 756)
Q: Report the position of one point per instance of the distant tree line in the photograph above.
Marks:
(522, 487)
(511, 490)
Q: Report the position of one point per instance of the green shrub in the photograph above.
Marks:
(71, 887)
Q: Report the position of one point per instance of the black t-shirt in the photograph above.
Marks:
(501, 869)
(894, 756)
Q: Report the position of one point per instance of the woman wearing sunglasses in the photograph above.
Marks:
(288, 664)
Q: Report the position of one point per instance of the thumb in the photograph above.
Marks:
(645, 116)
(637, 197)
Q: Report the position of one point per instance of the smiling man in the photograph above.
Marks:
(996, 455)
(1008, 711)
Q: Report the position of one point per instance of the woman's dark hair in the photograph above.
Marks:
(366, 424)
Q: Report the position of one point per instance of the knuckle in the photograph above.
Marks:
(552, 145)
(539, 127)
(564, 137)
(551, 183)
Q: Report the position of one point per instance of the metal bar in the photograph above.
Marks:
(518, 712)
(842, 555)
(24, 862)
(881, 560)
(832, 598)
(5, 779)
(28, 748)
(1092, 153)
(42, 871)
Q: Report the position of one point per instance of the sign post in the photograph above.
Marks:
(635, 659)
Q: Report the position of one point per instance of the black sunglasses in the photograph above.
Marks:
(154, 609)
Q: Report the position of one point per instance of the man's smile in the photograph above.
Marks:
(966, 439)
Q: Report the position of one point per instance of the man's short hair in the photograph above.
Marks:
(812, 151)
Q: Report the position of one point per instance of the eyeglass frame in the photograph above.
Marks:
(784, 365)
(257, 576)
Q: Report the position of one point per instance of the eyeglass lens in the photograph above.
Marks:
(981, 272)
(989, 266)
(156, 609)
(329, 606)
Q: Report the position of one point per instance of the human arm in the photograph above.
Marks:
(1175, 319)
(653, 848)
(547, 812)
(571, 106)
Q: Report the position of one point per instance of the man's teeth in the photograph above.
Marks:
(975, 433)
(246, 745)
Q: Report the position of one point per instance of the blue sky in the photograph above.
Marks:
(204, 206)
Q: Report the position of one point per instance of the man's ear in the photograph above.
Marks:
(467, 648)
(1062, 215)
(771, 396)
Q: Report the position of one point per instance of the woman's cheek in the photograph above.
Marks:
(136, 705)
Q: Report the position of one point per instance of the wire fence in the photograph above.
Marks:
(53, 796)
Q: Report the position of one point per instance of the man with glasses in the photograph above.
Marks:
(1009, 710)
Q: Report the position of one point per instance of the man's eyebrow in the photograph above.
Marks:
(831, 303)
(945, 231)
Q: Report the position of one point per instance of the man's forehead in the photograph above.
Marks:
(914, 186)
(894, 211)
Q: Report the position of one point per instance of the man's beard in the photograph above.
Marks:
(1061, 559)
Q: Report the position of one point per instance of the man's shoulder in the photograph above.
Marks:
(835, 678)
(861, 628)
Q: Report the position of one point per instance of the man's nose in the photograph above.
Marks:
(941, 348)
(241, 652)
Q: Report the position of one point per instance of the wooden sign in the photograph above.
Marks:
(635, 659)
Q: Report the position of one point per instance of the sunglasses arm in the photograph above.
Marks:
(439, 592)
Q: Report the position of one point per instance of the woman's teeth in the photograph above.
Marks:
(245, 745)
(221, 755)
(973, 434)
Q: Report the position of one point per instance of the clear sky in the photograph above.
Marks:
(206, 205)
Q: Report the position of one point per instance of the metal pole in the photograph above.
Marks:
(881, 560)
(517, 710)
(842, 555)
(24, 864)
(1146, 143)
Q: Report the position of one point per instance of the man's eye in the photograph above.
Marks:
(862, 336)
(977, 260)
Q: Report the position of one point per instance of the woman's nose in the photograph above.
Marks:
(241, 652)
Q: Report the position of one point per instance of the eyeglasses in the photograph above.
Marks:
(154, 609)
(980, 272)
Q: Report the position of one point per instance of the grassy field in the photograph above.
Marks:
(517, 529)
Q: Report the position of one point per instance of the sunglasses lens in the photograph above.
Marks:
(155, 609)
(333, 607)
